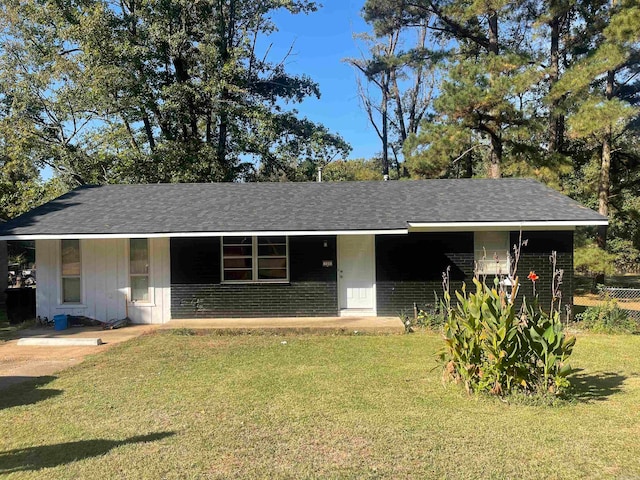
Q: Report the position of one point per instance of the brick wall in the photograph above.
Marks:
(196, 291)
(304, 299)
(535, 257)
(409, 268)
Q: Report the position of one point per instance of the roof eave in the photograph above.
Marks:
(497, 226)
(247, 233)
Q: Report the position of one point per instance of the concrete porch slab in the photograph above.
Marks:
(60, 342)
(301, 324)
(108, 336)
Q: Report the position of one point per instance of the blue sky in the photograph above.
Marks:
(321, 40)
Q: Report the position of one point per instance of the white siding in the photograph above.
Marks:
(105, 281)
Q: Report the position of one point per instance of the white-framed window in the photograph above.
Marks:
(71, 271)
(491, 252)
(139, 269)
(255, 259)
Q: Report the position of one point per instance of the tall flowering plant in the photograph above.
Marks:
(491, 346)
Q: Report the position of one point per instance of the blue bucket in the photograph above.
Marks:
(60, 322)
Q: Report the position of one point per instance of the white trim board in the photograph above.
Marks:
(270, 233)
(496, 226)
(413, 227)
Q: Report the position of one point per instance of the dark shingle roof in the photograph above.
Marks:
(229, 207)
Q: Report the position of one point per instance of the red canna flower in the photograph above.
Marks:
(532, 276)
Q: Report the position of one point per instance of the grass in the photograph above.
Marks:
(8, 330)
(301, 406)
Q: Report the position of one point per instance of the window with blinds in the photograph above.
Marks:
(255, 259)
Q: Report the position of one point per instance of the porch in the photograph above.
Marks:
(293, 324)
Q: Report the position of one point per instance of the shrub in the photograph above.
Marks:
(432, 316)
(592, 261)
(491, 348)
(607, 317)
(431, 319)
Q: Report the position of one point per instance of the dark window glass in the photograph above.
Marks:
(236, 241)
(237, 275)
(272, 250)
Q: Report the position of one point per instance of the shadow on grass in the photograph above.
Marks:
(46, 456)
(17, 391)
(597, 386)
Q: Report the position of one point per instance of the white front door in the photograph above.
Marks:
(356, 274)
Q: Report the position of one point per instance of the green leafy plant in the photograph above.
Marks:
(607, 317)
(434, 315)
(489, 347)
(431, 316)
(492, 347)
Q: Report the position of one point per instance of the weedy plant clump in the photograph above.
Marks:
(491, 346)
(607, 317)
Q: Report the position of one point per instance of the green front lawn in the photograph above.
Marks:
(169, 406)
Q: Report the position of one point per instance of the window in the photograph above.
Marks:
(272, 258)
(491, 252)
(254, 259)
(71, 271)
(139, 269)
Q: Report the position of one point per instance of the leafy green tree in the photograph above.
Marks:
(300, 160)
(21, 187)
(593, 262)
(353, 170)
(154, 91)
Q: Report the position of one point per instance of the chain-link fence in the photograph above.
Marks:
(628, 299)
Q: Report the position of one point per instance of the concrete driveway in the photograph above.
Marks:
(19, 363)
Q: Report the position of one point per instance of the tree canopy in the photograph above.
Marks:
(545, 89)
(154, 91)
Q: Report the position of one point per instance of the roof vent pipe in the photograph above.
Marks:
(385, 177)
(319, 174)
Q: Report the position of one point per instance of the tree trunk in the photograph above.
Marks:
(495, 153)
(493, 33)
(385, 126)
(604, 182)
(221, 151)
(183, 77)
(209, 128)
(148, 129)
(225, 42)
(495, 156)
(132, 137)
(556, 120)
